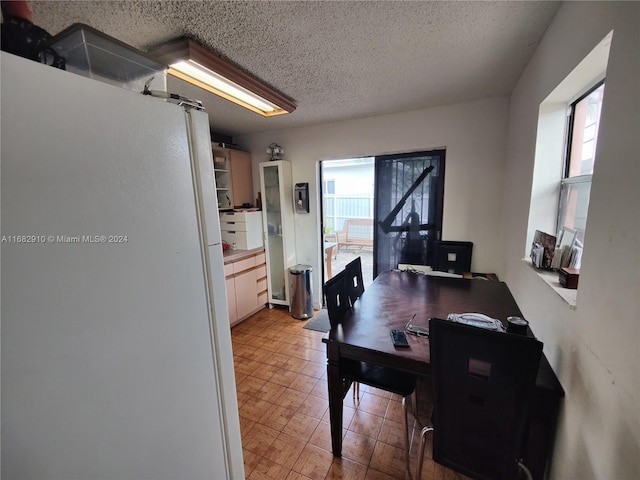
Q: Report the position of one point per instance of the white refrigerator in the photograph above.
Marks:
(116, 358)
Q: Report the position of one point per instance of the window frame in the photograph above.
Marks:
(326, 184)
(567, 181)
(570, 126)
(388, 196)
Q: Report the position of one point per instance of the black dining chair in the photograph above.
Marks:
(337, 298)
(355, 288)
(483, 381)
(355, 284)
(336, 291)
(354, 372)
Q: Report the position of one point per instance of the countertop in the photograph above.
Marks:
(235, 255)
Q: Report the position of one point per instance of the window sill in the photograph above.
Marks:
(550, 277)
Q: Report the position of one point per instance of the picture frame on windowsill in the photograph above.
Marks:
(542, 250)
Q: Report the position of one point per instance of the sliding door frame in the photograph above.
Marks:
(401, 199)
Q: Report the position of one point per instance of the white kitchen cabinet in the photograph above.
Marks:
(230, 283)
(277, 221)
(242, 228)
(245, 274)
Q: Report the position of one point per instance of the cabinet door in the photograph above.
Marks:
(277, 224)
(241, 178)
(246, 294)
(272, 223)
(231, 300)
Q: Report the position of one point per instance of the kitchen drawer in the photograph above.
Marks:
(243, 217)
(261, 271)
(260, 259)
(233, 226)
(263, 298)
(242, 265)
(262, 285)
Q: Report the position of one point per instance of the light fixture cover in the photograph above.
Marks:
(194, 64)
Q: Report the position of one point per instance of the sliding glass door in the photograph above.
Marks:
(347, 204)
(409, 192)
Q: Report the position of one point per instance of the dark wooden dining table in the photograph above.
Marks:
(395, 297)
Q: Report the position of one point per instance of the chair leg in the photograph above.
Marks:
(526, 471)
(406, 434)
(356, 391)
(423, 436)
(414, 400)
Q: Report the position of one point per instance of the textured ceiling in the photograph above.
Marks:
(337, 60)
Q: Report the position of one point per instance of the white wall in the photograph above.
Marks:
(594, 348)
(474, 135)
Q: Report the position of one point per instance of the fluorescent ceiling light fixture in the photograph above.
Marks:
(192, 63)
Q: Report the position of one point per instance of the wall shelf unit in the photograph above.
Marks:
(234, 179)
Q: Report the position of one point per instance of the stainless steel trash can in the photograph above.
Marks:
(300, 291)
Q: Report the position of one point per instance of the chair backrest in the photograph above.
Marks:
(482, 386)
(355, 285)
(337, 297)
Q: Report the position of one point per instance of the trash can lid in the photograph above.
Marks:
(297, 269)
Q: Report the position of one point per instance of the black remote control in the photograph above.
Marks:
(399, 338)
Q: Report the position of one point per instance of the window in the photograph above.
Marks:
(582, 136)
(566, 142)
(329, 187)
(347, 190)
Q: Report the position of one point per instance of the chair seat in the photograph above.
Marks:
(384, 378)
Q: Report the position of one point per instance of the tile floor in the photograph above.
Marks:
(282, 397)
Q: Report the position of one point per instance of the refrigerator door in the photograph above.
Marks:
(108, 367)
(200, 144)
(204, 183)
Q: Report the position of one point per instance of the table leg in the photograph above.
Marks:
(335, 403)
(329, 255)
